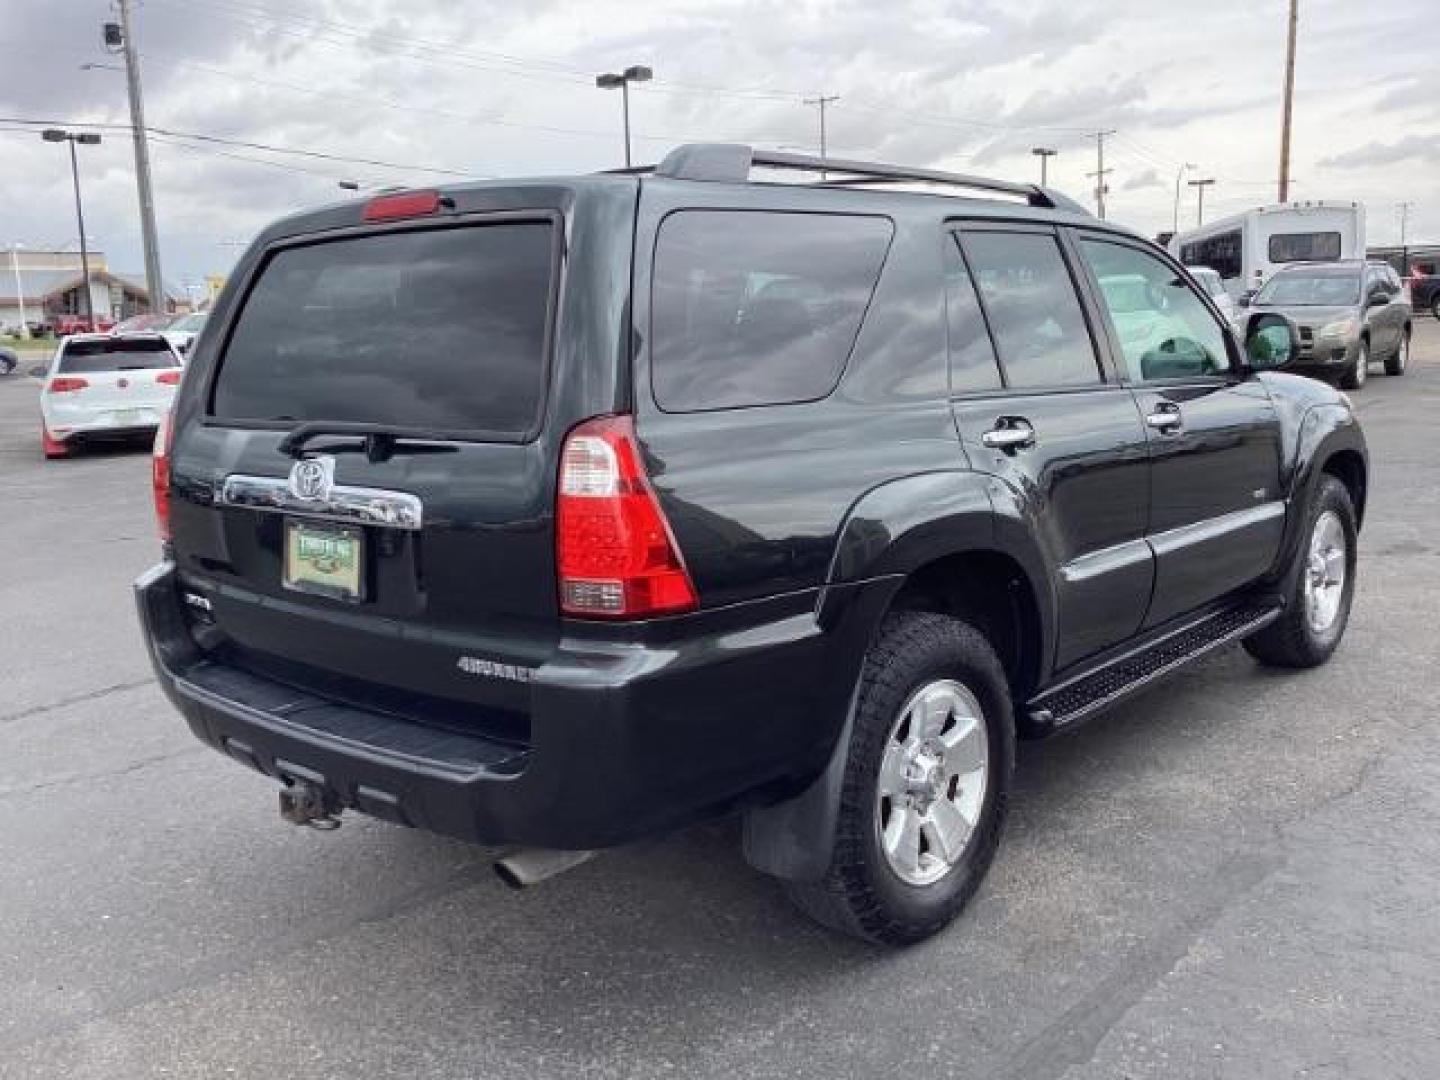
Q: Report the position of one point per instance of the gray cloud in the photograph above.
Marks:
(505, 87)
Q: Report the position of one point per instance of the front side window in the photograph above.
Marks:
(1034, 312)
(758, 308)
(1164, 329)
(1304, 247)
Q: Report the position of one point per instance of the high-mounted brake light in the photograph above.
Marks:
(65, 384)
(615, 555)
(160, 472)
(402, 205)
(169, 377)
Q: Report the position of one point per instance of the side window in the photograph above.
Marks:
(1165, 331)
(972, 357)
(1034, 313)
(758, 308)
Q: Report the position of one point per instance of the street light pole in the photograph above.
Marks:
(19, 290)
(1200, 186)
(622, 80)
(1044, 153)
(87, 138)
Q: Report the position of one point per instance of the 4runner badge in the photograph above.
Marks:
(473, 665)
(312, 478)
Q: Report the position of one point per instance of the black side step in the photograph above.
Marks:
(1086, 695)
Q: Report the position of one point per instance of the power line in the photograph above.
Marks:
(247, 144)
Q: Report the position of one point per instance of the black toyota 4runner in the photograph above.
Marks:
(550, 514)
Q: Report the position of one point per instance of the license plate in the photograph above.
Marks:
(131, 417)
(324, 559)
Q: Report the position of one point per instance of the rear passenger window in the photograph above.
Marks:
(758, 308)
(972, 357)
(1034, 313)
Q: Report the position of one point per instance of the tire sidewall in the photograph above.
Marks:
(922, 908)
(1331, 496)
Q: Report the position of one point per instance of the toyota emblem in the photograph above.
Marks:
(312, 478)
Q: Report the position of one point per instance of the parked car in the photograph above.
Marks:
(1424, 282)
(182, 332)
(1349, 313)
(68, 325)
(102, 387)
(9, 360)
(1209, 280)
(797, 500)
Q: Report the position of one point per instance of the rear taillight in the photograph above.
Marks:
(160, 472)
(169, 378)
(615, 555)
(65, 384)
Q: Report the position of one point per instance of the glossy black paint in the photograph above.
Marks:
(799, 524)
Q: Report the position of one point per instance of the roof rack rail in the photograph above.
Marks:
(730, 163)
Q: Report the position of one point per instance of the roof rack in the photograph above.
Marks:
(730, 163)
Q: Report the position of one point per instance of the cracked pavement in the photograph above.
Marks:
(1233, 876)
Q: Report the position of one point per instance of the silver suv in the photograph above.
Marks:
(1349, 313)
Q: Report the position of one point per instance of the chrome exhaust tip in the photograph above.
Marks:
(530, 866)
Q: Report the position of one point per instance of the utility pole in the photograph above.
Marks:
(1179, 173)
(822, 101)
(1200, 186)
(1289, 103)
(1044, 153)
(1101, 187)
(1404, 209)
(123, 35)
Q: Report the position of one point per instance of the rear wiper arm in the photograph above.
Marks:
(380, 439)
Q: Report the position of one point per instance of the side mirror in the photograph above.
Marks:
(1272, 340)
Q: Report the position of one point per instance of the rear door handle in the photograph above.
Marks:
(1166, 417)
(1009, 433)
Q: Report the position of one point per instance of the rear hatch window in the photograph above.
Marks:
(115, 354)
(440, 330)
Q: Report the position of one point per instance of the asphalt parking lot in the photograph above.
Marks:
(1236, 875)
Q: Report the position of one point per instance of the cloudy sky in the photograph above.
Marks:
(291, 96)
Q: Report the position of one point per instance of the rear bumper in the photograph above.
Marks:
(70, 422)
(626, 739)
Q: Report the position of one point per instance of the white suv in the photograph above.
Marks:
(106, 386)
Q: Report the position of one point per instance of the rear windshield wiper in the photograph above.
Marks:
(380, 439)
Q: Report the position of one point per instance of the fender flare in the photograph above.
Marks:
(1325, 430)
(891, 531)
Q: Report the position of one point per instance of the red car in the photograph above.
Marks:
(74, 324)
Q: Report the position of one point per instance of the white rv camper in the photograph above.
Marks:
(1245, 249)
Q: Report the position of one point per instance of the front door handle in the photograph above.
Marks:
(1166, 417)
(1009, 433)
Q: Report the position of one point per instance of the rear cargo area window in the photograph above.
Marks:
(441, 330)
(1304, 247)
(758, 308)
(115, 354)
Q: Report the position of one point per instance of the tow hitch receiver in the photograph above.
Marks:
(302, 803)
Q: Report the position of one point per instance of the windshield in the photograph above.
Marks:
(190, 324)
(115, 354)
(1333, 288)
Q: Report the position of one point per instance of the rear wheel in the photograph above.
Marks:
(1355, 378)
(1396, 362)
(54, 448)
(1318, 607)
(932, 749)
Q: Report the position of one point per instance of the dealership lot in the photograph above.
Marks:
(1232, 876)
